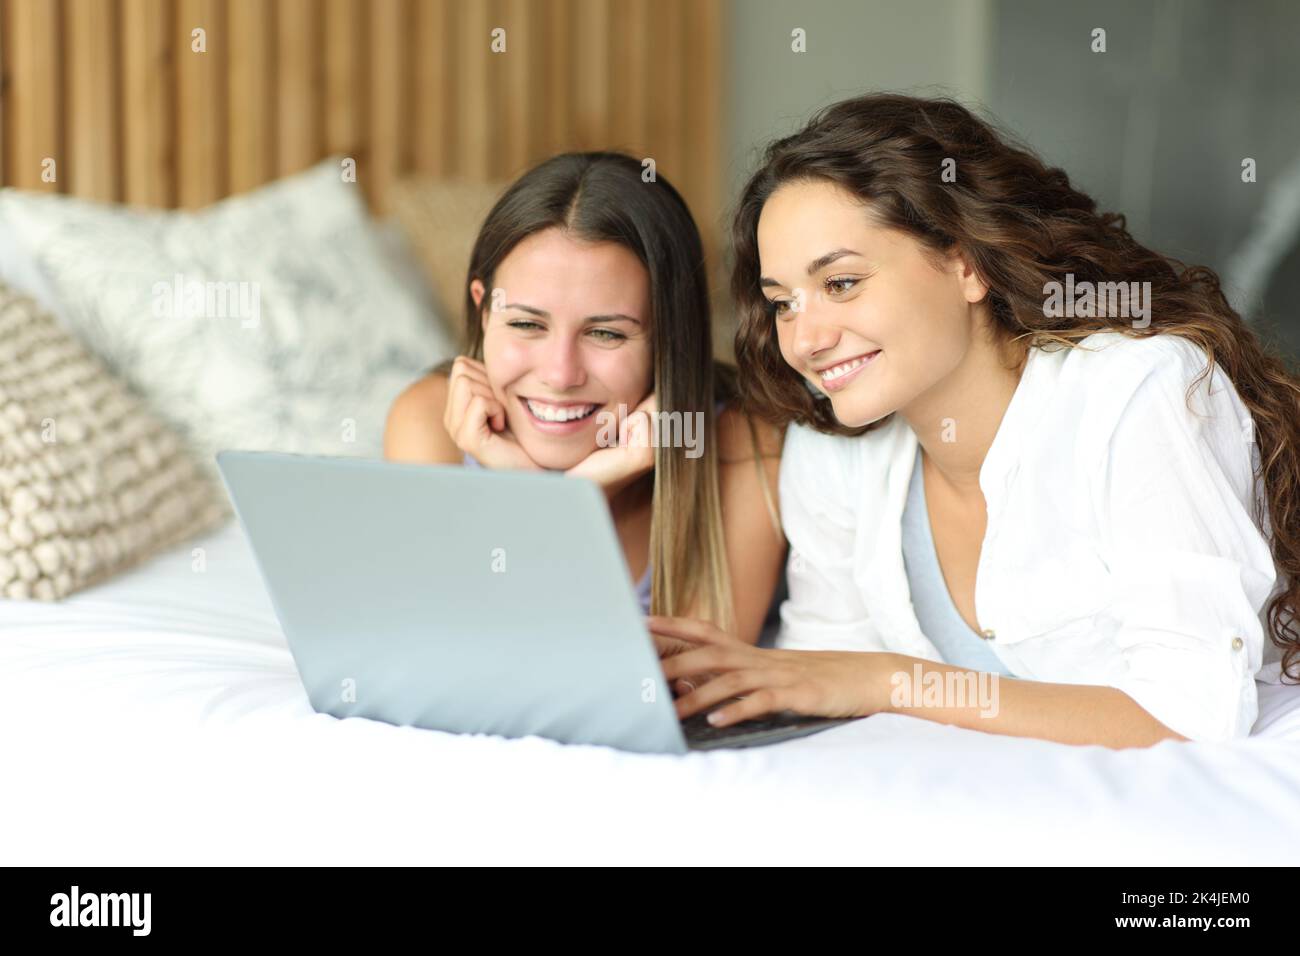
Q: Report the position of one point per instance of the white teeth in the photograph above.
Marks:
(833, 373)
(555, 413)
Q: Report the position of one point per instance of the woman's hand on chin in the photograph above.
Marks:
(617, 466)
(716, 666)
(476, 420)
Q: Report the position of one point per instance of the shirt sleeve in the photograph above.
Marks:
(824, 610)
(1191, 571)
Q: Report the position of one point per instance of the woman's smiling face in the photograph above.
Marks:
(861, 310)
(566, 336)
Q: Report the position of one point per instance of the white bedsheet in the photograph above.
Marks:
(158, 719)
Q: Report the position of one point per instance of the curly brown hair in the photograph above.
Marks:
(1021, 225)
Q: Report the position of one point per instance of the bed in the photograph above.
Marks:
(157, 719)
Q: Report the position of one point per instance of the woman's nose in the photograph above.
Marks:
(812, 333)
(562, 366)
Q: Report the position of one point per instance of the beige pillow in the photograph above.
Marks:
(91, 482)
(442, 219)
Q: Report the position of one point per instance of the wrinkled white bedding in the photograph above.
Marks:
(158, 719)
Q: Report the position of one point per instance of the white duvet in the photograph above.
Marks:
(158, 719)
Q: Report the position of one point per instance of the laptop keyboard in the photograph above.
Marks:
(697, 727)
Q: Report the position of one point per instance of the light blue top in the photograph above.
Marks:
(938, 616)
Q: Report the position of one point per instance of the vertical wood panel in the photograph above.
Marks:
(667, 93)
(92, 128)
(250, 108)
(34, 96)
(703, 131)
(591, 65)
(148, 108)
(111, 90)
(631, 79)
(434, 108)
(201, 115)
(479, 116)
(558, 98)
(520, 88)
(345, 77)
(298, 84)
(389, 91)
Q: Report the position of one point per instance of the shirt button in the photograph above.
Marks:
(1236, 643)
(988, 633)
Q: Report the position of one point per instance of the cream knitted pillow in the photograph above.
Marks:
(91, 482)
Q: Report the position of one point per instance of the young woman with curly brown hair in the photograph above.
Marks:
(1021, 444)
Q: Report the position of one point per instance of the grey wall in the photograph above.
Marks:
(1157, 126)
(921, 46)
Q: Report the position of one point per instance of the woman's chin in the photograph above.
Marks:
(858, 414)
(554, 456)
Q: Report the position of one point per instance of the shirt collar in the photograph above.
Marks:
(1022, 415)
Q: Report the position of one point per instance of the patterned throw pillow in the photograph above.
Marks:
(91, 481)
(271, 320)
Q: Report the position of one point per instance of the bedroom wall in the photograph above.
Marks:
(851, 46)
(1157, 126)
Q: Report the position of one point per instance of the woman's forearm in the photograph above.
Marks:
(1065, 713)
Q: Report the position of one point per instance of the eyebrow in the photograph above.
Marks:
(542, 313)
(816, 265)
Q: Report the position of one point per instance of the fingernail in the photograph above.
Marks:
(715, 718)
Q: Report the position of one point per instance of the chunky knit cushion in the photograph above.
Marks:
(91, 482)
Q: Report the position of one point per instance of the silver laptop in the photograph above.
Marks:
(482, 602)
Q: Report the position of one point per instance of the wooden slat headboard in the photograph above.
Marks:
(114, 94)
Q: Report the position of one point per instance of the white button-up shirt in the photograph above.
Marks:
(1121, 546)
